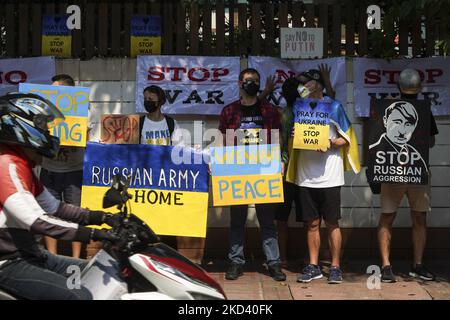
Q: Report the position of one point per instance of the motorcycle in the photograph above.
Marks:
(139, 266)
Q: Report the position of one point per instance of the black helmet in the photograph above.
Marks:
(24, 121)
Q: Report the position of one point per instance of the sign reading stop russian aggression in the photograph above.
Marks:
(73, 102)
(169, 194)
(311, 124)
(145, 35)
(399, 134)
(246, 174)
(192, 84)
(301, 43)
(56, 37)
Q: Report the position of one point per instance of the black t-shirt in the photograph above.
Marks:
(251, 124)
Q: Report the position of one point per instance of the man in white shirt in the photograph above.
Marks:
(320, 175)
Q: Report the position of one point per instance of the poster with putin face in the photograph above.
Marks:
(399, 135)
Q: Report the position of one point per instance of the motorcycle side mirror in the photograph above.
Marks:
(117, 194)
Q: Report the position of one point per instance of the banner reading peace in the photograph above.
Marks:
(246, 174)
(169, 184)
(192, 84)
(73, 102)
(311, 124)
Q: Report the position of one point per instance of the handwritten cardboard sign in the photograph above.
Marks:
(120, 129)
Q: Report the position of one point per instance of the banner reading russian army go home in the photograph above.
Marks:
(283, 69)
(73, 102)
(145, 35)
(312, 124)
(56, 37)
(33, 70)
(246, 175)
(377, 78)
(193, 84)
(171, 198)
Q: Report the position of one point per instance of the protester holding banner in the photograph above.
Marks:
(252, 121)
(418, 194)
(62, 175)
(28, 208)
(290, 93)
(319, 172)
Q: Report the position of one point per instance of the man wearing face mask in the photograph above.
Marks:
(391, 195)
(155, 127)
(247, 118)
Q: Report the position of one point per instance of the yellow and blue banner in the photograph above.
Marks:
(169, 194)
(246, 174)
(311, 124)
(73, 102)
(56, 37)
(145, 35)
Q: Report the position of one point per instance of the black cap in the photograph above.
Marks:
(312, 74)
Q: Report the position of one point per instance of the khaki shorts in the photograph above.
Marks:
(392, 194)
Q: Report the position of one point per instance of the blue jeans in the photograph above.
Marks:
(42, 279)
(265, 215)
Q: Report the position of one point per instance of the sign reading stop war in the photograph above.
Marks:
(246, 175)
(73, 102)
(312, 124)
(145, 35)
(56, 37)
(171, 196)
(399, 135)
(120, 129)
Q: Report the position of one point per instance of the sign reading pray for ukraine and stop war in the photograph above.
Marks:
(246, 174)
(311, 124)
(145, 35)
(169, 184)
(56, 37)
(399, 134)
(73, 102)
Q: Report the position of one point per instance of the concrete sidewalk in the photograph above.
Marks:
(256, 284)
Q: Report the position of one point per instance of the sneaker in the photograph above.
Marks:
(421, 272)
(276, 273)
(309, 273)
(335, 275)
(387, 275)
(234, 272)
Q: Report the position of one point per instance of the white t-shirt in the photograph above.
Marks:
(156, 132)
(321, 170)
(68, 159)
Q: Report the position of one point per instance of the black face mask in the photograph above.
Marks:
(150, 106)
(251, 88)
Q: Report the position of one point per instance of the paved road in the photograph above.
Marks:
(256, 284)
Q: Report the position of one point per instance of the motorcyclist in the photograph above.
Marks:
(27, 208)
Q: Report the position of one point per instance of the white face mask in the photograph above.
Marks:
(303, 91)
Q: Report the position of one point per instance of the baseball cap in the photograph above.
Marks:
(312, 74)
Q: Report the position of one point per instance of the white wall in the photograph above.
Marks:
(113, 86)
